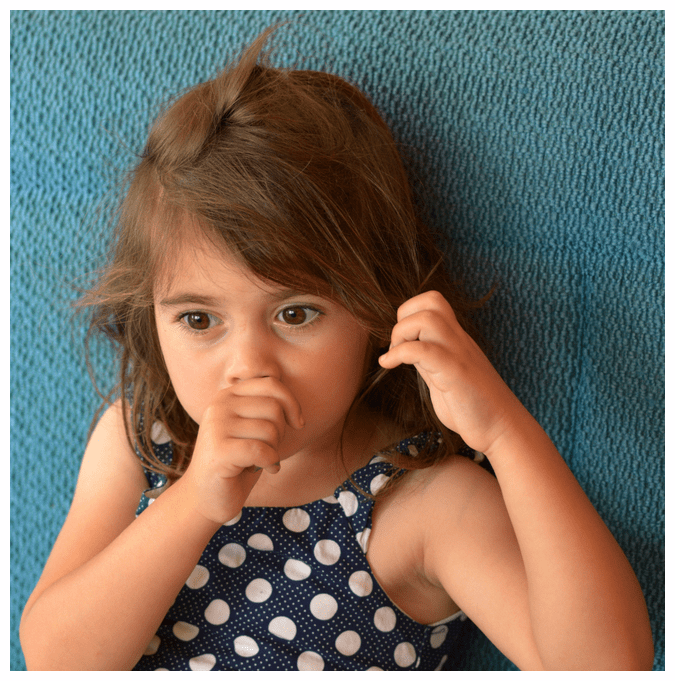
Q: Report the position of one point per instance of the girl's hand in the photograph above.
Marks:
(239, 436)
(467, 393)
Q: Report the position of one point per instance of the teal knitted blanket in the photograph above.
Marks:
(536, 140)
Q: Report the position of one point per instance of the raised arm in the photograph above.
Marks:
(526, 557)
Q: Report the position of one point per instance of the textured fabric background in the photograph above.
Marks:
(538, 140)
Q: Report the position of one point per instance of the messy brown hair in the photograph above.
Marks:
(296, 173)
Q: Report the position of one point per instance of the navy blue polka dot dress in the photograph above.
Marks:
(291, 589)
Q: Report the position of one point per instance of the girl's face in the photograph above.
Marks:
(218, 324)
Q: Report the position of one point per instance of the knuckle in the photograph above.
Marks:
(263, 455)
(438, 301)
(256, 448)
(437, 297)
(428, 316)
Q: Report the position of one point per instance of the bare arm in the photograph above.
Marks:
(582, 590)
(110, 578)
(526, 556)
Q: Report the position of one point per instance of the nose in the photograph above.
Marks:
(250, 354)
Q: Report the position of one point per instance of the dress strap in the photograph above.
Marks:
(162, 448)
(356, 494)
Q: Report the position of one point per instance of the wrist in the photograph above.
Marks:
(182, 504)
(518, 431)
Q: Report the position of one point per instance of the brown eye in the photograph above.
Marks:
(298, 315)
(294, 315)
(199, 321)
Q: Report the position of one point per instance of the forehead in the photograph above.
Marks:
(194, 260)
(198, 261)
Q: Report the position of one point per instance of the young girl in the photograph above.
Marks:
(297, 380)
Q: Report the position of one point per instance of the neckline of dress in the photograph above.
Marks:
(331, 500)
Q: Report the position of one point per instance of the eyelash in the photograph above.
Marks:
(184, 326)
(181, 319)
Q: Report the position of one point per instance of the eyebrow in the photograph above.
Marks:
(210, 301)
(188, 298)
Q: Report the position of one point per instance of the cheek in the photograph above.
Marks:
(188, 378)
(192, 393)
(343, 365)
(169, 355)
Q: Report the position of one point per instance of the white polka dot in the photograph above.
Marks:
(327, 551)
(296, 570)
(199, 577)
(232, 555)
(283, 628)
(234, 520)
(385, 619)
(245, 646)
(361, 583)
(404, 654)
(203, 663)
(378, 482)
(217, 612)
(261, 542)
(185, 631)
(153, 646)
(330, 500)
(323, 606)
(438, 635)
(376, 459)
(441, 663)
(412, 450)
(348, 642)
(296, 520)
(158, 433)
(258, 590)
(310, 661)
(349, 502)
(362, 538)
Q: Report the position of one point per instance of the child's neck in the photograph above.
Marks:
(312, 475)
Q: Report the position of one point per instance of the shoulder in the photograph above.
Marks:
(109, 461)
(470, 550)
(456, 512)
(111, 478)
(466, 506)
(419, 535)
(439, 508)
(450, 489)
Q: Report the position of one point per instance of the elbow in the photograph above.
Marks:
(630, 656)
(643, 660)
(31, 653)
(35, 647)
(42, 649)
(57, 649)
(623, 654)
(638, 651)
